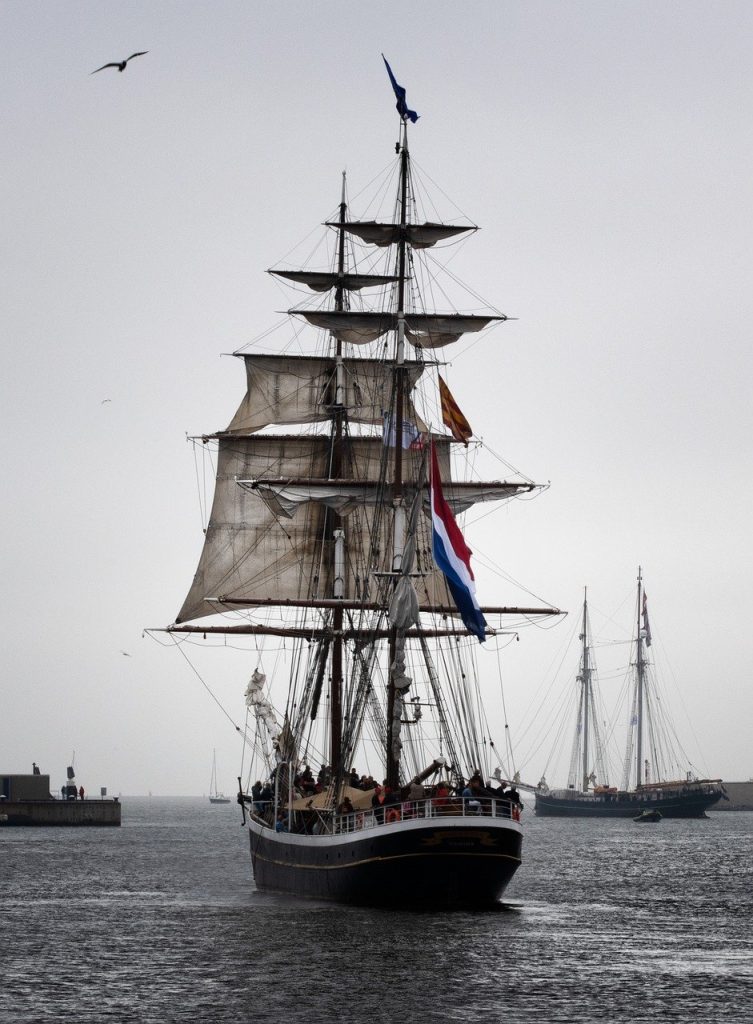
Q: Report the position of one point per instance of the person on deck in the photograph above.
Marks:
(266, 797)
(377, 802)
(81, 793)
(441, 797)
(307, 780)
(256, 794)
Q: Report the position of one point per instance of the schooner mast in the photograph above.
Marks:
(585, 680)
(587, 758)
(640, 685)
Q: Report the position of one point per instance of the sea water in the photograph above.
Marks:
(607, 921)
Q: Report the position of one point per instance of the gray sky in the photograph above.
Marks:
(605, 150)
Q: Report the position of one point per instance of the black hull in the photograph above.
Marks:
(688, 803)
(437, 865)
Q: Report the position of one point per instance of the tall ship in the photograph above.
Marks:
(370, 775)
(651, 782)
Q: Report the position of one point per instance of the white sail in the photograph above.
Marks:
(250, 553)
(422, 330)
(301, 389)
(352, 328)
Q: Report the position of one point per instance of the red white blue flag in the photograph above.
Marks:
(453, 556)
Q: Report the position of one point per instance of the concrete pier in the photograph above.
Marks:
(59, 812)
(27, 800)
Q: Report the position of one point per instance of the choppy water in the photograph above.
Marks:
(159, 921)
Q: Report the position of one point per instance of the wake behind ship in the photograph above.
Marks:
(371, 776)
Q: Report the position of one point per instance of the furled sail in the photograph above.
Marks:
(420, 236)
(435, 331)
(422, 330)
(323, 281)
(353, 328)
(285, 497)
(301, 389)
(251, 553)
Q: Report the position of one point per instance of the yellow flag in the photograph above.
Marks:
(452, 417)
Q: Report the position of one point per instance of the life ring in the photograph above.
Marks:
(392, 815)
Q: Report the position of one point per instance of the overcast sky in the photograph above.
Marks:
(604, 149)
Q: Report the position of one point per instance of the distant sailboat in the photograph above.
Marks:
(652, 787)
(215, 796)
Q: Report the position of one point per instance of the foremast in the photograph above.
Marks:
(639, 712)
(587, 758)
(334, 521)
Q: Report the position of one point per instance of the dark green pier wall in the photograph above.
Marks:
(59, 812)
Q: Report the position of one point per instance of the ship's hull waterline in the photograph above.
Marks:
(691, 804)
(431, 864)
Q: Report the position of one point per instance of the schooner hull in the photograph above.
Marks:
(692, 803)
(437, 866)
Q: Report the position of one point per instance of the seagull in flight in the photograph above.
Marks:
(120, 64)
(125, 654)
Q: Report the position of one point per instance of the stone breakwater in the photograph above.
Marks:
(59, 812)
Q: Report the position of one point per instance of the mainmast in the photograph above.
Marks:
(392, 756)
(585, 680)
(640, 674)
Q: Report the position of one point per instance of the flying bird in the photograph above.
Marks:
(104, 399)
(125, 654)
(120, 64)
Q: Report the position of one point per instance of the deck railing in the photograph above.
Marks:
(319, 821)
(439, 807)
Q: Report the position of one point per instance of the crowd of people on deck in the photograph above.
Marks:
(387, 803)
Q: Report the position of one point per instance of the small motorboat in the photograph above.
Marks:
(649, 816)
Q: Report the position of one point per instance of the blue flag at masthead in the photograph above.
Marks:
(401, 105)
